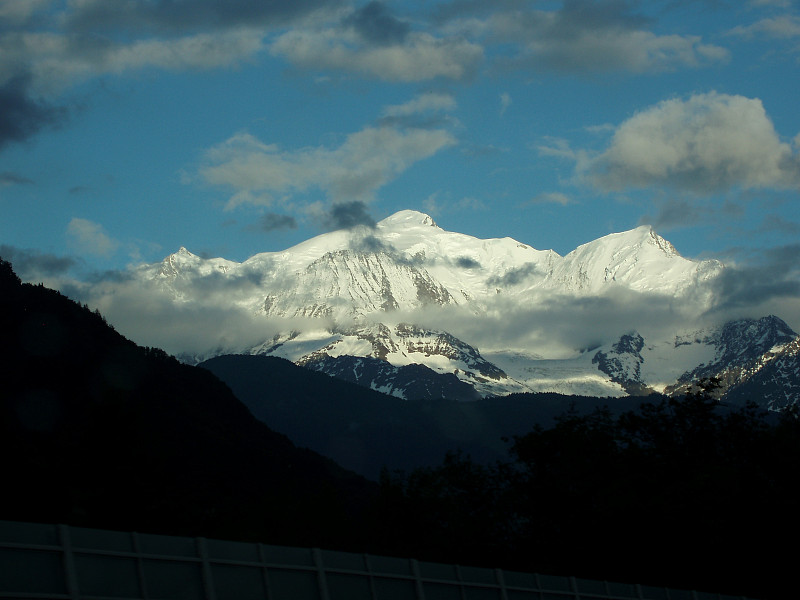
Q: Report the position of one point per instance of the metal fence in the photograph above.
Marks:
(58, 561)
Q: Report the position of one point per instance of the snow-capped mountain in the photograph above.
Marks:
(407, 292)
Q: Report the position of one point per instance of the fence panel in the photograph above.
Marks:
(60, 562)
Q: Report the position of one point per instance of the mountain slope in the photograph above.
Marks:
(99, 432)
(365, 430)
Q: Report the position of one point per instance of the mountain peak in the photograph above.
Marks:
(407, 218)
(664, 245)
(636, 238)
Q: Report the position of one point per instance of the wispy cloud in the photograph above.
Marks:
(505, 102)
(781, 27)
(12, 178)
(676, 212)
(552, 198)
(273, 222)
(88, 237)
(420, 57)
(432, 101)
(365, 161)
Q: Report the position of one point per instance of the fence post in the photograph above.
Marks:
(322, 581)
(137, 548)
(370, 578)
(70, 574)
(498, 574)
(573, 583)
(262, 556)
(208, 582)
(417, 579)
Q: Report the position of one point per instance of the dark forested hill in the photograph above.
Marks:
(365, 430)
(99, 432)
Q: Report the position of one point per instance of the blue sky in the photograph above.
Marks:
(232, 127)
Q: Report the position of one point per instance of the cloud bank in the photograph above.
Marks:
(580, 36)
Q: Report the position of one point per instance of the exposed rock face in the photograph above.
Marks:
(743, 348)
(623, 364)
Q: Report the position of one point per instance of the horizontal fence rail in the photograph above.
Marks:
(58, 561)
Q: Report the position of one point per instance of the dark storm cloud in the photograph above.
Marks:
(223, 284)
(580, 36)
(31, 265)
(376, 25)
(22, 116)
(513, 276)
(780, 225)
(11, 178)
(110, 276)
(347, 215)
(578, 15)
(676, 213)
(184, 15)
(573, 17)
(465, 262)
(775, 276)
(274, 222)
(371, 244)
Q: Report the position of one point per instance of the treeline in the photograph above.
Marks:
(681, 493)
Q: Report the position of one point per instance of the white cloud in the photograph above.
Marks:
(558, 148)
(90, 238)
(419, 57)
(470, 203)
(364, 162)
(552, 198)
(782, 27)
(421, 104)
(148, 315)
(706, 143)
(203, 51)
(505, 102)
(432, 205)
